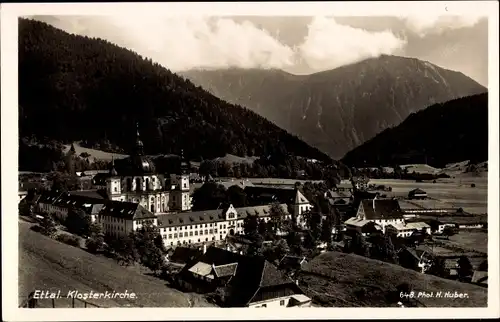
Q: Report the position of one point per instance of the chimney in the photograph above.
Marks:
(297, 282)
(374, 202)
(204, 248)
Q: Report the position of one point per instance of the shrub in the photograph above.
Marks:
(68, 239)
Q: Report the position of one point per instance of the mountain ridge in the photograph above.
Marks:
(78, 88)
(441, 134)
(332, 110)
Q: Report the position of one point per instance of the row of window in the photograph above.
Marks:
(195, 233)
(221, 226)
(189, 241)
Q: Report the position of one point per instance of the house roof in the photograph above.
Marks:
(289, 261)
(381, 209)
(97, 194)
(185, 255)
(410, 225)
(225, 270)
(339, 194)
(480, 277)
(355, 221)
(67, 200)
(417, 191)
(299, 198)
(211, 216)
(251, 274)
(125, 210)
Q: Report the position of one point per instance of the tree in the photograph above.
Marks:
(236, 196)
(48, 226)
(78, 222)
(262, 227)
(209, 196)
(94, 243)
(277, 215)
(449, 231)
(309, 240)
(294, 242)
(390, 252)
(438, 267)
(483, 266)
(326, 229)
(313, 223)
(359, 246)
(250, 225)
(153, 259)
(464, 268)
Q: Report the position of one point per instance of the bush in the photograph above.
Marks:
(68, 239)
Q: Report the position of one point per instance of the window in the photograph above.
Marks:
(170, 229)
(116, 189)
(215, 230)
(190, 233)
(196, 233)
(211, 231)
(206, 232)
(282, 302)
(264, 305)
(206, 239)
(169, 236)
(175, 235)
(180, 235)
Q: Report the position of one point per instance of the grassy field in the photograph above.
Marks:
(346, 280)
(98, 154)
(454, 193)
(476, 240)
(46, 264)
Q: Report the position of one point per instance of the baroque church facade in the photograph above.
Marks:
(137, 182)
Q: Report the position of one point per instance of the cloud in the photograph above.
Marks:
(329, 44)
(423, 25)
(181, 43)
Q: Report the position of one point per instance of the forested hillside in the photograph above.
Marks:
(443, 133)
(76, 88)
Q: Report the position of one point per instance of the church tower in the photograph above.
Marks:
(113, 183)
(180, 199)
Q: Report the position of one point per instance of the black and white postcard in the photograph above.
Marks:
(339, 158)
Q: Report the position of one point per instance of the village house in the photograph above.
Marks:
(419, 259)
(382, 212)
(246, 281)
(384, 215)
(406, 229)
(417, 194)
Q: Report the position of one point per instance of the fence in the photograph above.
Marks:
(65, 302)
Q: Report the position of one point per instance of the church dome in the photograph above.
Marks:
(142, 164)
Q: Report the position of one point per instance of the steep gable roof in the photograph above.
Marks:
(299, 198)
(381, 209)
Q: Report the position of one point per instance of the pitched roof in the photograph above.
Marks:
(67, 200)
(125, 210)
(480, 277)
(289, 261)
(417, 191)
(211, 216)
(97, 194)
(355, 221)
(225, 270)
(299, 198)
(381, 209)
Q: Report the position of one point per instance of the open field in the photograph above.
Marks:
(346, 280)
(446, 193)
(470, 240)
(98, 154)
(46, 264)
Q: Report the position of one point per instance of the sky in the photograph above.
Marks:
(299, 45)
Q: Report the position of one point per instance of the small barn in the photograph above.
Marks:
(417, 194)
